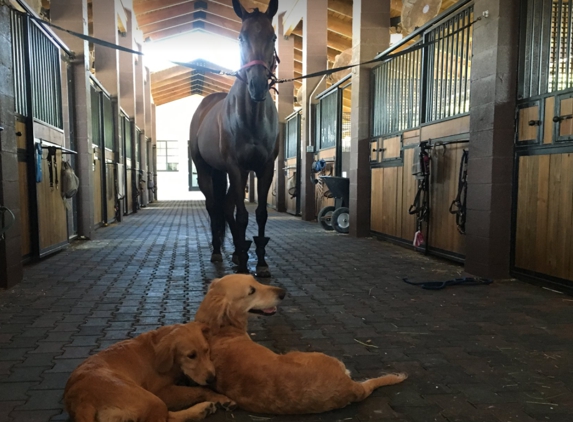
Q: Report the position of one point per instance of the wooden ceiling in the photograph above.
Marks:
(179, 82)
(161, 19)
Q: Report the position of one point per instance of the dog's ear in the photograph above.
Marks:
(205, 330)
(213, 282)
(212, 311)
(165, 353)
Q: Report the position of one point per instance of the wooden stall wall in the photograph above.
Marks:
(52, 214)
(394, 187)
(24, 189)
(544, 220)
(543, 181)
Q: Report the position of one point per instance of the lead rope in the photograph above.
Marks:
(458, 205)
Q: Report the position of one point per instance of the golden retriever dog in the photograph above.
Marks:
(260, 380)
(134, 380)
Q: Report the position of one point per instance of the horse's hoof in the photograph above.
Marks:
(235, 258)
(216, 257)
(242, 270)
(263, 272)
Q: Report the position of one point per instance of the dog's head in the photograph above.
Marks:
(186, 347)
(230, 298)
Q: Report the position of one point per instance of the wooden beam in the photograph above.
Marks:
(247, 4)
(147, 6)
(339, 26)
(189, 27)
(181, 94)
(150, 29)
(165, 14)
(186, 9)
(193, 80)
(187, 77)
(177, 71)
(332, 51)
(341, 6)
(189, 84)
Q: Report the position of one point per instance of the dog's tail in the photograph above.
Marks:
(194, 413)
(390, 379)
(84, 412)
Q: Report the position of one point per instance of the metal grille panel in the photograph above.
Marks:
(397, 94)
(292, 132)
(546, 53)
(329, 120)
(18, 22)
(449, 67)
(108, 122)
(427, 83)
(46, 77)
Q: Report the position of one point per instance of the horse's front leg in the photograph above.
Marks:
(265, 179)
(238, 223)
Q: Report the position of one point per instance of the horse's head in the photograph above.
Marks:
(257, 43)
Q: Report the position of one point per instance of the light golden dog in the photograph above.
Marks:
(260, 380)
(134, 380)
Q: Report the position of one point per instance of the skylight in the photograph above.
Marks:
(191, 46)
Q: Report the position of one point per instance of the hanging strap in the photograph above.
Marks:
(51, 164)
(459, 205)
(420, 206)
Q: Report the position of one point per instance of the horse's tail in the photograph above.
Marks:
(219, 192)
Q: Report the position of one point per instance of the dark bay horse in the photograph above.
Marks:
(235, 133)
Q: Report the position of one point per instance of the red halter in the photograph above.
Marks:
(271, 71)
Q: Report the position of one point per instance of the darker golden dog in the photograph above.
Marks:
(260, 380)
(134, 380)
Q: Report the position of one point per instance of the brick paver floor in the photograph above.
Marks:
(491, 353)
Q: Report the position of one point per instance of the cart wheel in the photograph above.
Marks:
(341, 220)
(325, 217)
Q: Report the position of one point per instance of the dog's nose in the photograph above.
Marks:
(282, 294)
(211, 379)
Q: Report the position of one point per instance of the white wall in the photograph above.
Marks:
(173, 120)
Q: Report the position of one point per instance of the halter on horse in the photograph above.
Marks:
(235, 133)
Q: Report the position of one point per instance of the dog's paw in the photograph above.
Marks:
(225, 403)
(227, 406)
(208, 408)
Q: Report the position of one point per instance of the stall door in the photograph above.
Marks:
(543, 206)
(292, 164)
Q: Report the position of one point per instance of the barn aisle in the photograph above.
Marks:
(502, 352)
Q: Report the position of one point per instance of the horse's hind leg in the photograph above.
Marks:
(238, 223)
(265, 179)
(211, 183)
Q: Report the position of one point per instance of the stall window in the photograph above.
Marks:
(167, 156)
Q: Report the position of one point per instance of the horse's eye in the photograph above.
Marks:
(275, 38)
(192, 355)
(240, 39)
(252, 290)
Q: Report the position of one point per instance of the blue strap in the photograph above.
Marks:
(38, 163)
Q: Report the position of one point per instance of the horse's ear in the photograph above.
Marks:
(272, 9)
(239, 9)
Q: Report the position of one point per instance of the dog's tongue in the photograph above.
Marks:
(270, 310)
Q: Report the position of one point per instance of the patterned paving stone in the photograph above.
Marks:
(500, 353)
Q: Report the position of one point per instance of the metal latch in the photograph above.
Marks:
(558, 119)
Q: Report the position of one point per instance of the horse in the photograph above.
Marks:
(236, 133)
